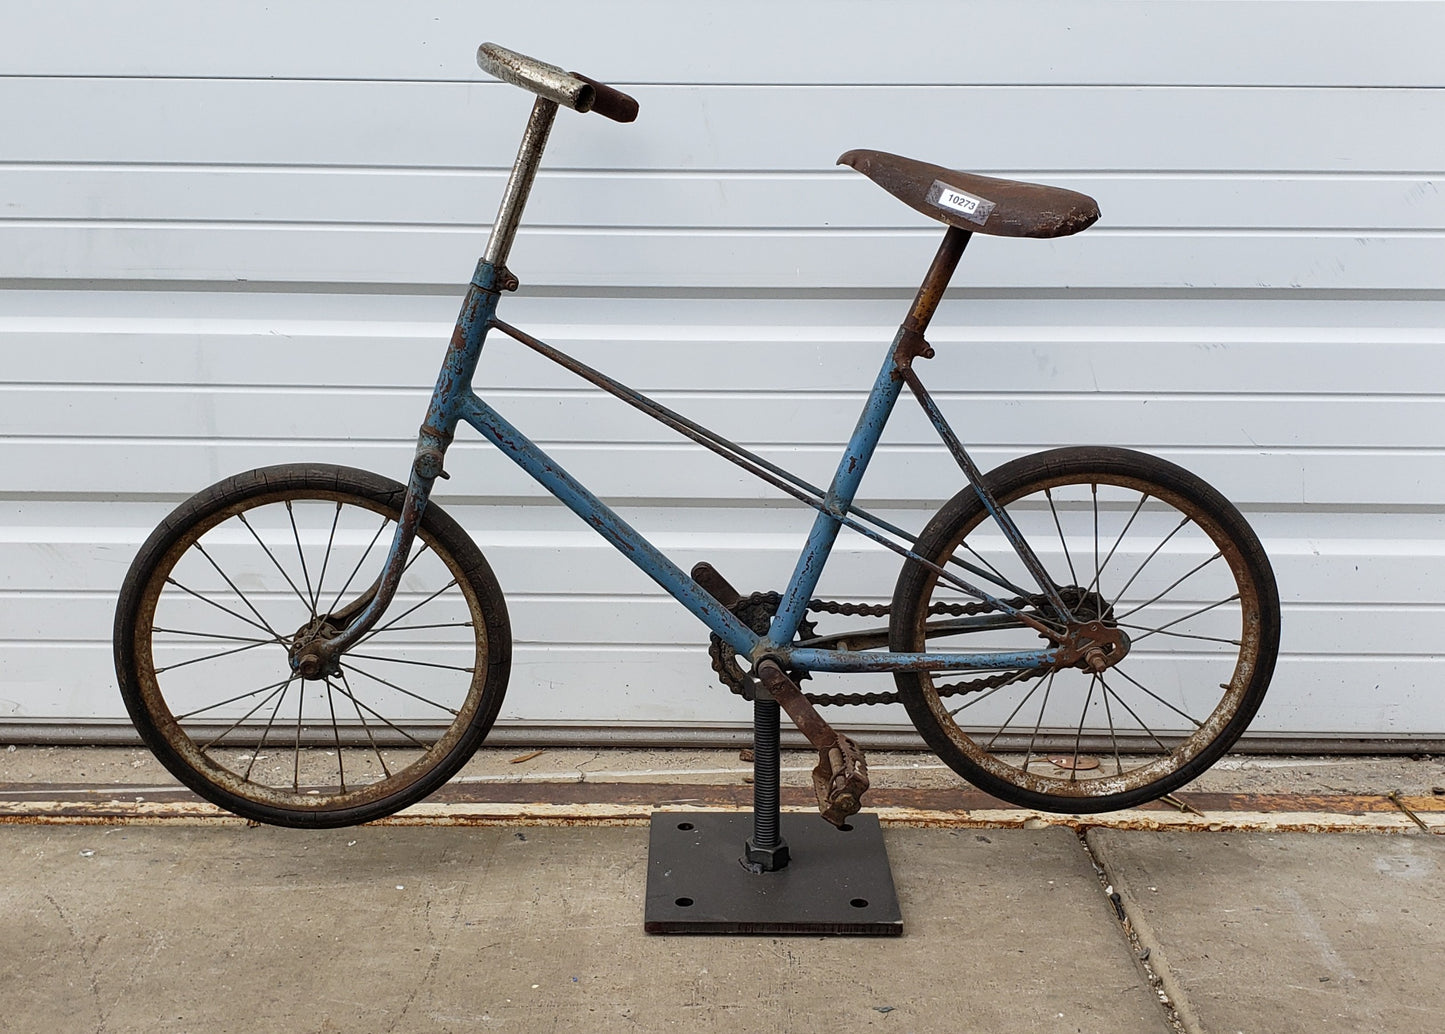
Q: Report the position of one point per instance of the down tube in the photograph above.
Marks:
(628, 541)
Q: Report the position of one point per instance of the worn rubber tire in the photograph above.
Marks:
(479, 699)
(1119, 470)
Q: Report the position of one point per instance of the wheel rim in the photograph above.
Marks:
(1167, 574)
(217, 624)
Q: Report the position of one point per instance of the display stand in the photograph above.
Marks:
(765, 872)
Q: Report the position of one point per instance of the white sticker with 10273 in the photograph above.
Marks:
(974, 209)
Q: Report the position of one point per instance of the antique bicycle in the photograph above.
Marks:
(1079, 630)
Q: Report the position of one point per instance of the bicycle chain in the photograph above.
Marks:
(760, 606)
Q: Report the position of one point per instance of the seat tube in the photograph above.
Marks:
(907, 344)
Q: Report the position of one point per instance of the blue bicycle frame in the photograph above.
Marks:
(454, 401)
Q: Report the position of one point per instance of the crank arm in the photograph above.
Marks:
(717, 586)
(841, 776)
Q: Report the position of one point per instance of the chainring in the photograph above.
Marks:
(755, 611)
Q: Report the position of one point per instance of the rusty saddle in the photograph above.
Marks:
(979, 204)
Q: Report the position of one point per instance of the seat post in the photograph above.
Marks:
(935, 281)
(519, 184)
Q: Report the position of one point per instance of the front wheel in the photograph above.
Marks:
(221, 594)
(1134, 544)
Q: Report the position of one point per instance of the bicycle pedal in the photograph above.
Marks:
(840, 780)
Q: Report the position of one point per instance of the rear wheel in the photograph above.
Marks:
(1146, 551)
(231, 583)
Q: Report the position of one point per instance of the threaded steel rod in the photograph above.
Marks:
(766, 774)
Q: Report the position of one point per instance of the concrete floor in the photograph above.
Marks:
(205, 925)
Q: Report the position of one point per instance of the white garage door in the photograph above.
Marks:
(234, 234)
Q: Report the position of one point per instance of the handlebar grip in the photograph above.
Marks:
(561, 87)
(549, 81)
(610, 103)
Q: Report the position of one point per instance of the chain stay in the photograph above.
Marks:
(749, 608)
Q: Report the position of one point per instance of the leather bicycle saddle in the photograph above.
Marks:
(982, 204)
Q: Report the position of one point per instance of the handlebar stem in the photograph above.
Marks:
(519, 184)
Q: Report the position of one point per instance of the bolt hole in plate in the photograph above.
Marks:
(832, 885)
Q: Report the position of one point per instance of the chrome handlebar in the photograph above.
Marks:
(567, 89)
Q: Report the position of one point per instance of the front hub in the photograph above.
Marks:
(310, 655)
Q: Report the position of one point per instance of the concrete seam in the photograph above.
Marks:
(1144, 945)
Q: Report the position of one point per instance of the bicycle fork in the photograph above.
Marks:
(453, 388)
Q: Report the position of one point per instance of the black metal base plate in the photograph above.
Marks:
(838, 881)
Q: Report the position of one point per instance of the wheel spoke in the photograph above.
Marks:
(399, 689)
(1094, 498)
(355, 570)
(1152, 554)
(335, 728)
(326, 559)
(280, 687)
(241, 595)
(1125, 705)
(267, 550)
(409, 610)
(256, 754)
(416, 628)
(301, 555)
(998, 578)
(1079, 735)
(346, 691)
(1040, 723)
(1166, 592)
(1184, 635)
(212, 656)
(1113, 734)
(999, 731)
(272, 689)
(296, 754)
(405, 660)
(1134, 682)
(1094, 585)
(416, 556)
(985, 695)
(215, 635)
(1049, 495)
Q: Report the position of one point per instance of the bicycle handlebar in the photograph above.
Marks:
(571, 89)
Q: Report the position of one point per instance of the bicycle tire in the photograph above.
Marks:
(1212, 622)
(232, 570)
